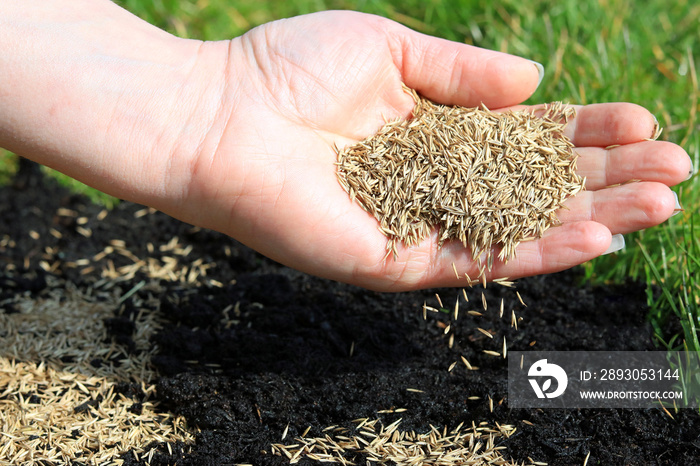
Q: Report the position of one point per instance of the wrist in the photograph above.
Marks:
(93, 91)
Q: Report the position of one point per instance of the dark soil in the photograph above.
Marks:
(282, 357)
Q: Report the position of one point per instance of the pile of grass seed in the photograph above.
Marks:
(60, 372)
(482, 178)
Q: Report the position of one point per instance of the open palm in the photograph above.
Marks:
(303, 85)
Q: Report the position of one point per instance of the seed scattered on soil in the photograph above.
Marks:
(414, 390)
(585, 461)
(484, 179)
(388, 444)
(56, 404)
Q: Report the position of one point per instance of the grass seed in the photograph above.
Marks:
(484, 179)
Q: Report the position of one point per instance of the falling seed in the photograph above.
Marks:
(520, 298)
(532, 343)
(439, 300)
(666, 410)
(469, 280)
(500, 315)
(485, 332)
(475, 313)
(413, 390)
(505, 281)
(492, 353)
(490, 404)
(454, 267)
(63, 212)
(464, 292)
(284, 433)
(505, 348)
(456, 314)
(34, 235)
(524, 421)
(451, 341)
(483, 301)
(522, 358)
(141, 213)
(447, 330)
(352, 348)
(86, 232)
(585, 461)
(452, 366)
(466, 363)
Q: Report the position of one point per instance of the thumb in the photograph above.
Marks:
(460, 74)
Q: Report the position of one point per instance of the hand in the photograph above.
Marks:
(239, 136)
(333, 78)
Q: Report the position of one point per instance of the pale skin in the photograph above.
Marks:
(238, 135)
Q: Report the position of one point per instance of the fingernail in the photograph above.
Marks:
(617, 243)
(691, 172)
(540, 71)
(678, 209)
(656, 132)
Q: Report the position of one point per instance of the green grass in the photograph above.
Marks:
(593, 51)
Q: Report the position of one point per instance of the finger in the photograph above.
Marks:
(603, 125)
(658, 161)
(560, 248)
(622, 209)
(459, 74)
